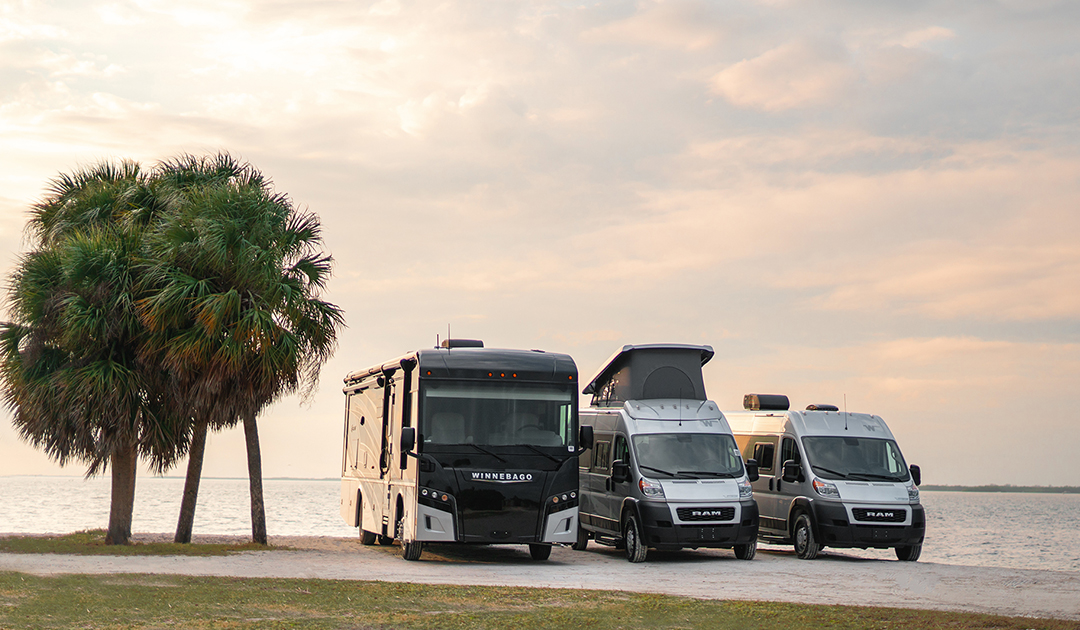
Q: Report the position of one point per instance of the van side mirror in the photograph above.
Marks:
(916, 474)
(620, 471)
(752, 470)
(585, 437)
(408, 439)
(792, 471)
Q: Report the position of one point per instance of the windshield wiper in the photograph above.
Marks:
(539, 452)
(659, 470)
(484, 450)
(711, 473)
(831, 472)
(872, 476)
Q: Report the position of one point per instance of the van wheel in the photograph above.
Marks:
(635, 546)
(746, 552)
(540, 552)
(582, 539)
(805, 546)
(909, 553)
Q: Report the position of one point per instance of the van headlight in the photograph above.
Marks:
(913, 493)
(746, 491)
(650, 488)
(826, 489)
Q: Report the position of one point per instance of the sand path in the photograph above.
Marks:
(775, 574)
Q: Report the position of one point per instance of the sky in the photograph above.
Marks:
(871, 204)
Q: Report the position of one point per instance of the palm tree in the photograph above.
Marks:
(71, 364)
(235, 307)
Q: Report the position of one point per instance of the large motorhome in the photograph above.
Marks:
(829, 478)
(664, 471)
(465, 444)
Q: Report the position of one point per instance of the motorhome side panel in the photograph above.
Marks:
(362, 484)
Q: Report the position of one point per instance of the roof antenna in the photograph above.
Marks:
(448, 344)
(437, 340)
(845, 412)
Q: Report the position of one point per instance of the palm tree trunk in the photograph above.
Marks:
(258, 512)
(123, 463)
(186, 521)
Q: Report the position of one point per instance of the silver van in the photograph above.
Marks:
(829, 478)
(664, 470)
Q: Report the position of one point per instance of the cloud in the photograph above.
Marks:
(680, 25)
(795, 75)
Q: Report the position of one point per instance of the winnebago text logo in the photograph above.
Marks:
(502, 477)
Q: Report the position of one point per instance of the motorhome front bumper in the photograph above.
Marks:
(837, 528)
(662, 532)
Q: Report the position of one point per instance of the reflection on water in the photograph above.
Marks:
(1014, 530)
(294, 507)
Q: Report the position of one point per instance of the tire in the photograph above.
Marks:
(540, 552)
(366, 537)
(908, 553)
(582, 539)
(385, 541)
(635, 545)
(746, 552)
(410, 550)
(805, 546)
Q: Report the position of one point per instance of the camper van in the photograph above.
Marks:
(664, 470)
(829, 478)
(466, 444)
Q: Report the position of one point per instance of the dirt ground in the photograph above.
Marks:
(775, 574)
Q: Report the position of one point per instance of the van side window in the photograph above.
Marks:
(789, 450)
(764, 453)
(601, 456)
(622, 451)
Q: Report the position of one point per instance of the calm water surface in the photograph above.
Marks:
(1013, 530)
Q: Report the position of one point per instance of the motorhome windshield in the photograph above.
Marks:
(856, 459)
(687, 455)
(497, 414)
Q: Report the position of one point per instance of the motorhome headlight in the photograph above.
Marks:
(826, 489)
(746, 491)
(913, 493)
(651, 489)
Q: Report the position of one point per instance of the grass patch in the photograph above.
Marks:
(167, 601)
(92, 542)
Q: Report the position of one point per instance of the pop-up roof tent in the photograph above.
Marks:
(650, 371)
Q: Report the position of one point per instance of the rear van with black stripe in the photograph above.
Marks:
(828, 478)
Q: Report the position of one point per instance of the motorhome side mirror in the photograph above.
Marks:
(791, 471)
(752, 470)
(916, 474)
(408, 439)
(620, 471)
(585, 437)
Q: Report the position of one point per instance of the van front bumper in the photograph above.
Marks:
(661, 532)
(835, 529)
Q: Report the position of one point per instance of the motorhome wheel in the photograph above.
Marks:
(385, 541)
(746, 552)
(908, 553)
(635, 546)
(540, 552)
(366, 537)
(805, 546)
(410, 550)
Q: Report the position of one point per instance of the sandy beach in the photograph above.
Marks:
(776, 574)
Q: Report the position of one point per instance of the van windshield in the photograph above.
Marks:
(688, 455)
(856, 459)
(497, 414)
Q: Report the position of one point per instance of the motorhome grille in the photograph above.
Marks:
(879, 515)
(706, 514)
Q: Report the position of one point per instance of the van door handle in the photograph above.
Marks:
(778, 483)
(770, 485)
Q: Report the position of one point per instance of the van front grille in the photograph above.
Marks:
(879, 515)
(689, 515)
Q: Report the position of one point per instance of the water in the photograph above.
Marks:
(1010, 530)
